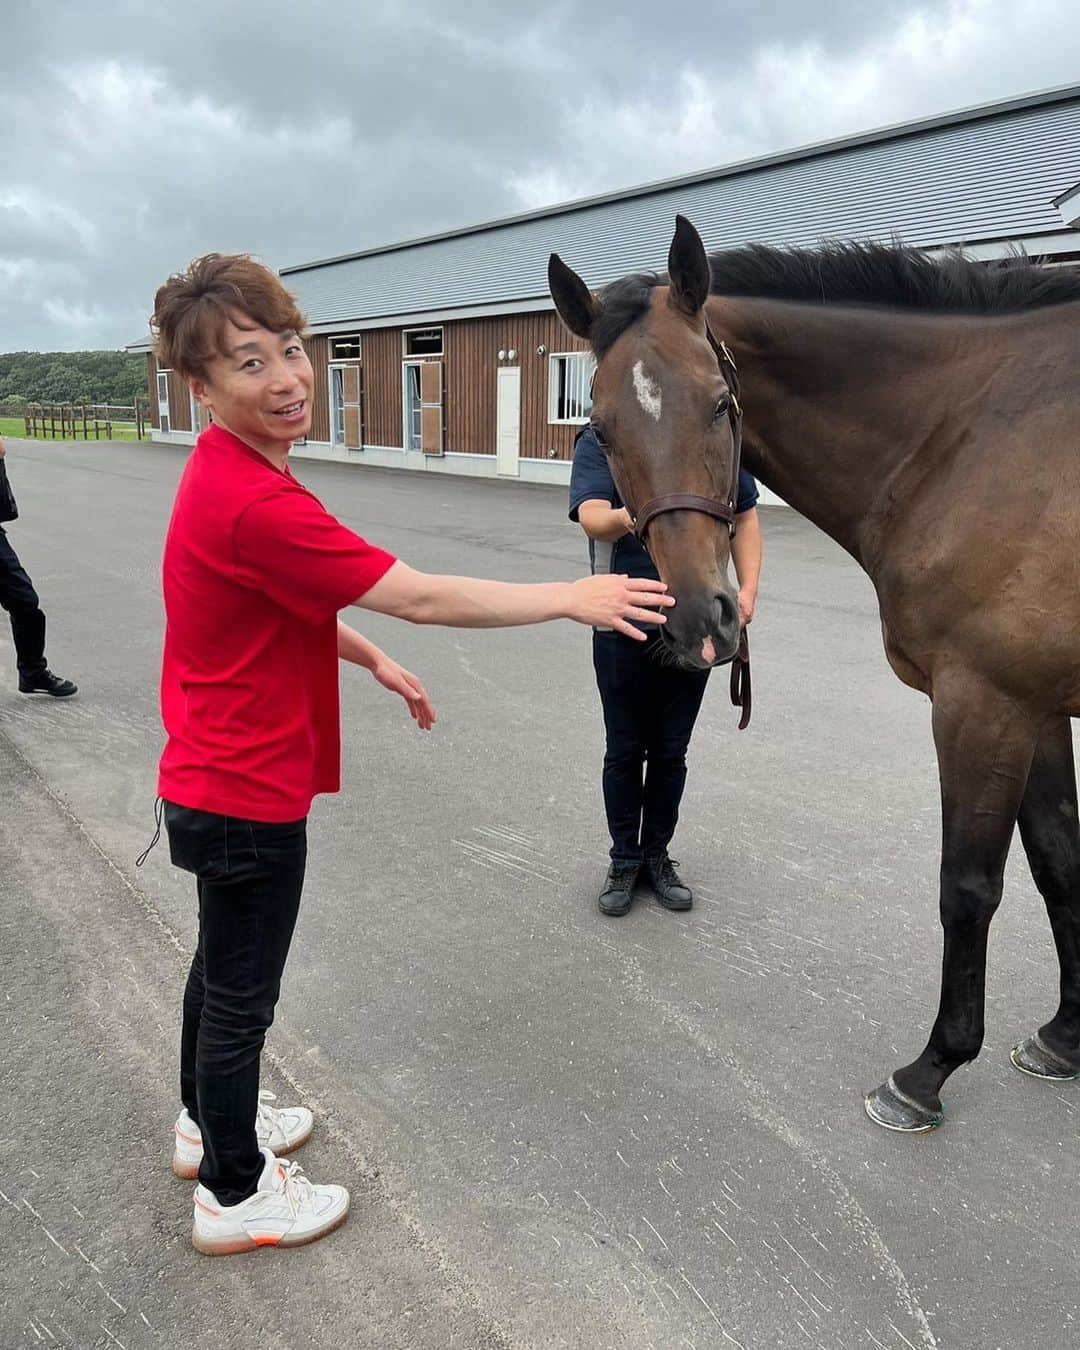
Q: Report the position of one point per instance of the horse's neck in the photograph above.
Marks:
(835, 402)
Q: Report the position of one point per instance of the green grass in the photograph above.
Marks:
(14, 426)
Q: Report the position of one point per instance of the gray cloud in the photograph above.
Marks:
(139, 137)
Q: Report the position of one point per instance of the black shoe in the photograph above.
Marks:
(618, 893)
(47, 683)
(671, 890)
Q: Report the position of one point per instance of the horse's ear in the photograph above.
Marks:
(575, 302)
(688, 268)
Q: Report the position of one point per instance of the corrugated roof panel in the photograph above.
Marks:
(978, 180)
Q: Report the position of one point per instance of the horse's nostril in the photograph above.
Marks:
(729, 610)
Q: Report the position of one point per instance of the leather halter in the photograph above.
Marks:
(741, 694)
(689, 501)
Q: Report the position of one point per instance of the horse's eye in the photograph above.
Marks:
(723, 406)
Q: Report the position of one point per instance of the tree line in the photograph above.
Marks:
(71, 377)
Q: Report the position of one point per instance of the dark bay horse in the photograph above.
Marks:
(925, 413)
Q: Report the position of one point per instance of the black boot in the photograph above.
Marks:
(618, 893)
(670, 889)
(47, 683)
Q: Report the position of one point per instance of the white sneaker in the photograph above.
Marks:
(286, 1211)
(280, 1129)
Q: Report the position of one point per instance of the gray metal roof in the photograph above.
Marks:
(974, 177)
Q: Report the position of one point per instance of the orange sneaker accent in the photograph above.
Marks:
(214, 1213)
(265, 1241)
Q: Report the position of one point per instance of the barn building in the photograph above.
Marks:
(444, 353)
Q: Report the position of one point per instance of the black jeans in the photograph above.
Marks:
(250, 876)
(18, 597)
(649, 712)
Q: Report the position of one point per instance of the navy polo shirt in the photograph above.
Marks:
(591, 481)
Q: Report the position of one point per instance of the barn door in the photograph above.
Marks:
(347, 405)
(351, 390)
(508, 420)
(431, 408)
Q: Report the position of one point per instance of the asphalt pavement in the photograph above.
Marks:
(560, 1130)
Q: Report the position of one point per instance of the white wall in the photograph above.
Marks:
(480, 466)
(554, 471)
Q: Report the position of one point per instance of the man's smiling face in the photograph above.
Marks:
(259, 386)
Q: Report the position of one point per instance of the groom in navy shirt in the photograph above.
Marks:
(650, 705)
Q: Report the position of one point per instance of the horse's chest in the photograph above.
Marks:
(906, 669)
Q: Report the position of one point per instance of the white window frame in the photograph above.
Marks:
(335, 440)
(405, 428)
(406, 355)
(164, 374)
(589, 363)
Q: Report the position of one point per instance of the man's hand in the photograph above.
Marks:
(747, 601)
(399, 681)
(610, 601)
(3, 452)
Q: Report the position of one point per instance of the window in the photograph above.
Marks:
(163, 400)
(423, 341)
(413, 407)
(422, 400)
(337, 406)
(570, 386)
(345, 348)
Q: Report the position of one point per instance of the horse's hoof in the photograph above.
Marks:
(1035, 1057)
(895, 1110)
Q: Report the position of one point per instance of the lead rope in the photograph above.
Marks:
(741, 696)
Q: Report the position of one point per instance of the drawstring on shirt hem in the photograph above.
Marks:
(159, 816)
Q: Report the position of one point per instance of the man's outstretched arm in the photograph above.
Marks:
(470, 602)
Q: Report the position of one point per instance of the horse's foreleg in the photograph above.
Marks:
(1051, 836)
(985, 744)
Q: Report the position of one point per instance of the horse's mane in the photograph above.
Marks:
(901, 278)
(857, 274)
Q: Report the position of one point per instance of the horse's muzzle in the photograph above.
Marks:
(703, 632)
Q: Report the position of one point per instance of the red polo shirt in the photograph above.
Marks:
(255, 571)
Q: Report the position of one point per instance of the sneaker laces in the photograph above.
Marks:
(622, 878)
(267, 1116)
(666, 868)
(296, 1187)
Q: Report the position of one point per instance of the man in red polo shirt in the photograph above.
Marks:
(255, 572)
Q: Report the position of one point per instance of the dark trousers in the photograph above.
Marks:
(650, 708)
(250, 876)
(18, 597)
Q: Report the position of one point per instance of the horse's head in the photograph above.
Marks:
(663, 411)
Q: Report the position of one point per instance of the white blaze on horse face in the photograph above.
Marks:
(648, 391)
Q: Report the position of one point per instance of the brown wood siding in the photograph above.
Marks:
(151, 377)
(472, 357)
(380, 358)
(316, 348)
(471, 349)
(470, 362)
(179, 403)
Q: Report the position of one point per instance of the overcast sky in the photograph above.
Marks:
(136, 136)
